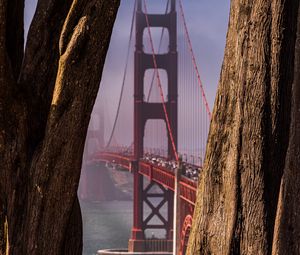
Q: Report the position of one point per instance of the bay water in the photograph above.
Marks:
(106, 224)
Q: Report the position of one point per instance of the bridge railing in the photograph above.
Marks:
(157, 245)
(156, 169)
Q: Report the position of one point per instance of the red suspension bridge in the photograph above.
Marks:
(165, 122)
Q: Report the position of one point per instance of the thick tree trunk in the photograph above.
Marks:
(287, 227)
(45, 107)
(73, 237)
(247, 158)
(3, 230)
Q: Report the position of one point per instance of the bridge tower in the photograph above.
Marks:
(144, 111)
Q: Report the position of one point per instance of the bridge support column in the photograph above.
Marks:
(153, 212)
(137, 234)
(177, 210)
(170, 195)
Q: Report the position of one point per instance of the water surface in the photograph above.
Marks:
(106, 225)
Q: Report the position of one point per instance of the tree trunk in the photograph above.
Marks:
(247, 184)
(3, 230)
(45, 107)
(287, 225)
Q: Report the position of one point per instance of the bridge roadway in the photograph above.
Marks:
(155, 172)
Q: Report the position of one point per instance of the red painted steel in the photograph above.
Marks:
(165, 178)
(185, 233)
(157, 174)
(144, 111)
(163, 103)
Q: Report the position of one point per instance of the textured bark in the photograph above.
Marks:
(45, 107)
(287, 227)
(247, 160)
(3, 234)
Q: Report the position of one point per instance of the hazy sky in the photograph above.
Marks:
(207, 21)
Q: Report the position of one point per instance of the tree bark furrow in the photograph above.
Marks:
(287, 227)
(42, 52)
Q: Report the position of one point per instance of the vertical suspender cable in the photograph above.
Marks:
(194, 59)
(184, 83)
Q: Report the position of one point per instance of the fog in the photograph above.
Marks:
(207, 22)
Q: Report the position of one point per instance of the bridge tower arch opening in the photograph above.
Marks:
(144, 111)
(155, 139)
(161, 40)
(151, 89)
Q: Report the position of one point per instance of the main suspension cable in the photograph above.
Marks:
(194, 59)
(124, 76)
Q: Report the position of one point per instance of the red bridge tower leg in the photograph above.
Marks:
(144, 111)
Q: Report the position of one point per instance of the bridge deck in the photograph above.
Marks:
(155, 173)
